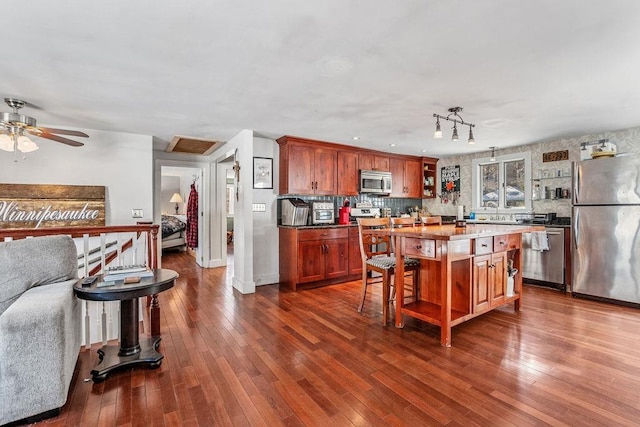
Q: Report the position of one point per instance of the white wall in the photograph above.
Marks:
(243, 279)
(255, 234)
(265, 229)
(121, 162)
(627, 141)
(169, 186)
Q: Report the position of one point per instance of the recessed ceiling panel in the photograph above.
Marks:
(190, 145)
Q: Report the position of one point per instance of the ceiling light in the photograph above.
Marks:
(6, 143)
(493, 154)
(438, 133)
(456, 119)
(26, 145)
(15, 140)
(15, 126)
(392, 145)
(355, 138)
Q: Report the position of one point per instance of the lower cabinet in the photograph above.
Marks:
(355, 257)
(489, 281)
(322, 259)
(314, 255)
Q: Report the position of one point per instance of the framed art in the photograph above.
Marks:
(262, 172)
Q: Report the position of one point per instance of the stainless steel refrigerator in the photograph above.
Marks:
(606, 229)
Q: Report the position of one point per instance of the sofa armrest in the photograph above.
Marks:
(40, 341)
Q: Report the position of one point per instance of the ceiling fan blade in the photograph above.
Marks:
(64, 132)
(57, 138)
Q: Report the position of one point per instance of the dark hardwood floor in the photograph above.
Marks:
(308, 358)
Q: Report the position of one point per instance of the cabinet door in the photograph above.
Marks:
(324, 171)
(336, 258)
(499, 278)
(347, 173)
(355, 259)
(481, 279)
(301, 168)
(366, 162)
(396, 166)
(311, 261)
(370, 162)
(413, 178)
(381, 163)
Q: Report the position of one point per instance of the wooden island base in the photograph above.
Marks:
(463, 272)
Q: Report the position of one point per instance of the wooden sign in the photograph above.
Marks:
(43, 206)
(555, 156)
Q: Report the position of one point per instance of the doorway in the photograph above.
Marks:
(230, 214)
(177, 185)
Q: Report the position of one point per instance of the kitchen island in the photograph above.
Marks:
(464, 271)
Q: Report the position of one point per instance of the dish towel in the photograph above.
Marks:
(539, 241)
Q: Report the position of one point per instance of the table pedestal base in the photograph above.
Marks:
(111, 361)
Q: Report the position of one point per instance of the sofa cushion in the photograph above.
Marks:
(33, 262)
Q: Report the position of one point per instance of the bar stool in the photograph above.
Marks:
(376, 251)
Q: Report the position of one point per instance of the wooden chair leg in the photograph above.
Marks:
(364, 289)
(385, 297)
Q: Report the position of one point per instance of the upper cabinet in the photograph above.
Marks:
(407, 177)
(307, 169)
(347, 173)
(373, 162)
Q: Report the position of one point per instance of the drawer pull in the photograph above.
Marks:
(418, 247)
(324, 234)
(484, 245)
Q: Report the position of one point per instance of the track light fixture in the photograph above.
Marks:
(456, 119)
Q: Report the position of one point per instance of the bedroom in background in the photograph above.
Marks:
(175, 195)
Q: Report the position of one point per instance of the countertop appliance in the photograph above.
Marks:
(544, 268)
(375, 182)
(294, 212)
(606, 226)
(322, 213)
(364, 210)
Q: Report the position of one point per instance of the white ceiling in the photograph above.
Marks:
(524, 72)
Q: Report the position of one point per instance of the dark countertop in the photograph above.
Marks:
(308, 227)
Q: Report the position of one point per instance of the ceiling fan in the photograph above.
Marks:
(14, 127)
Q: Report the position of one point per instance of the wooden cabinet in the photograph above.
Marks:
(309, 167)
(355, 257)
(306, 169)
(407, 177)
(429, 175)
(347, 173)
(489, 281)
(370, 161)
(314, 255)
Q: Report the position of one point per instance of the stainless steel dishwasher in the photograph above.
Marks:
(545, 268)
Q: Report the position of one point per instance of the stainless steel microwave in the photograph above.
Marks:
(375, 182)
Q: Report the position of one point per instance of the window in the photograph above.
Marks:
(502, 185)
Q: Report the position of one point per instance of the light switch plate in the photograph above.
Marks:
(259, 207)
(137, 213)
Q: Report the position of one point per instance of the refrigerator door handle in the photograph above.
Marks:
(576, 227)
(576, 184)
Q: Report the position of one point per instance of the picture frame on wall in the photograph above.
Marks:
(263, 173)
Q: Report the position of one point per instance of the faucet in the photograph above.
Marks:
(493, 205)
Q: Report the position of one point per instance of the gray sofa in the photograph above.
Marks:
(40, 334)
